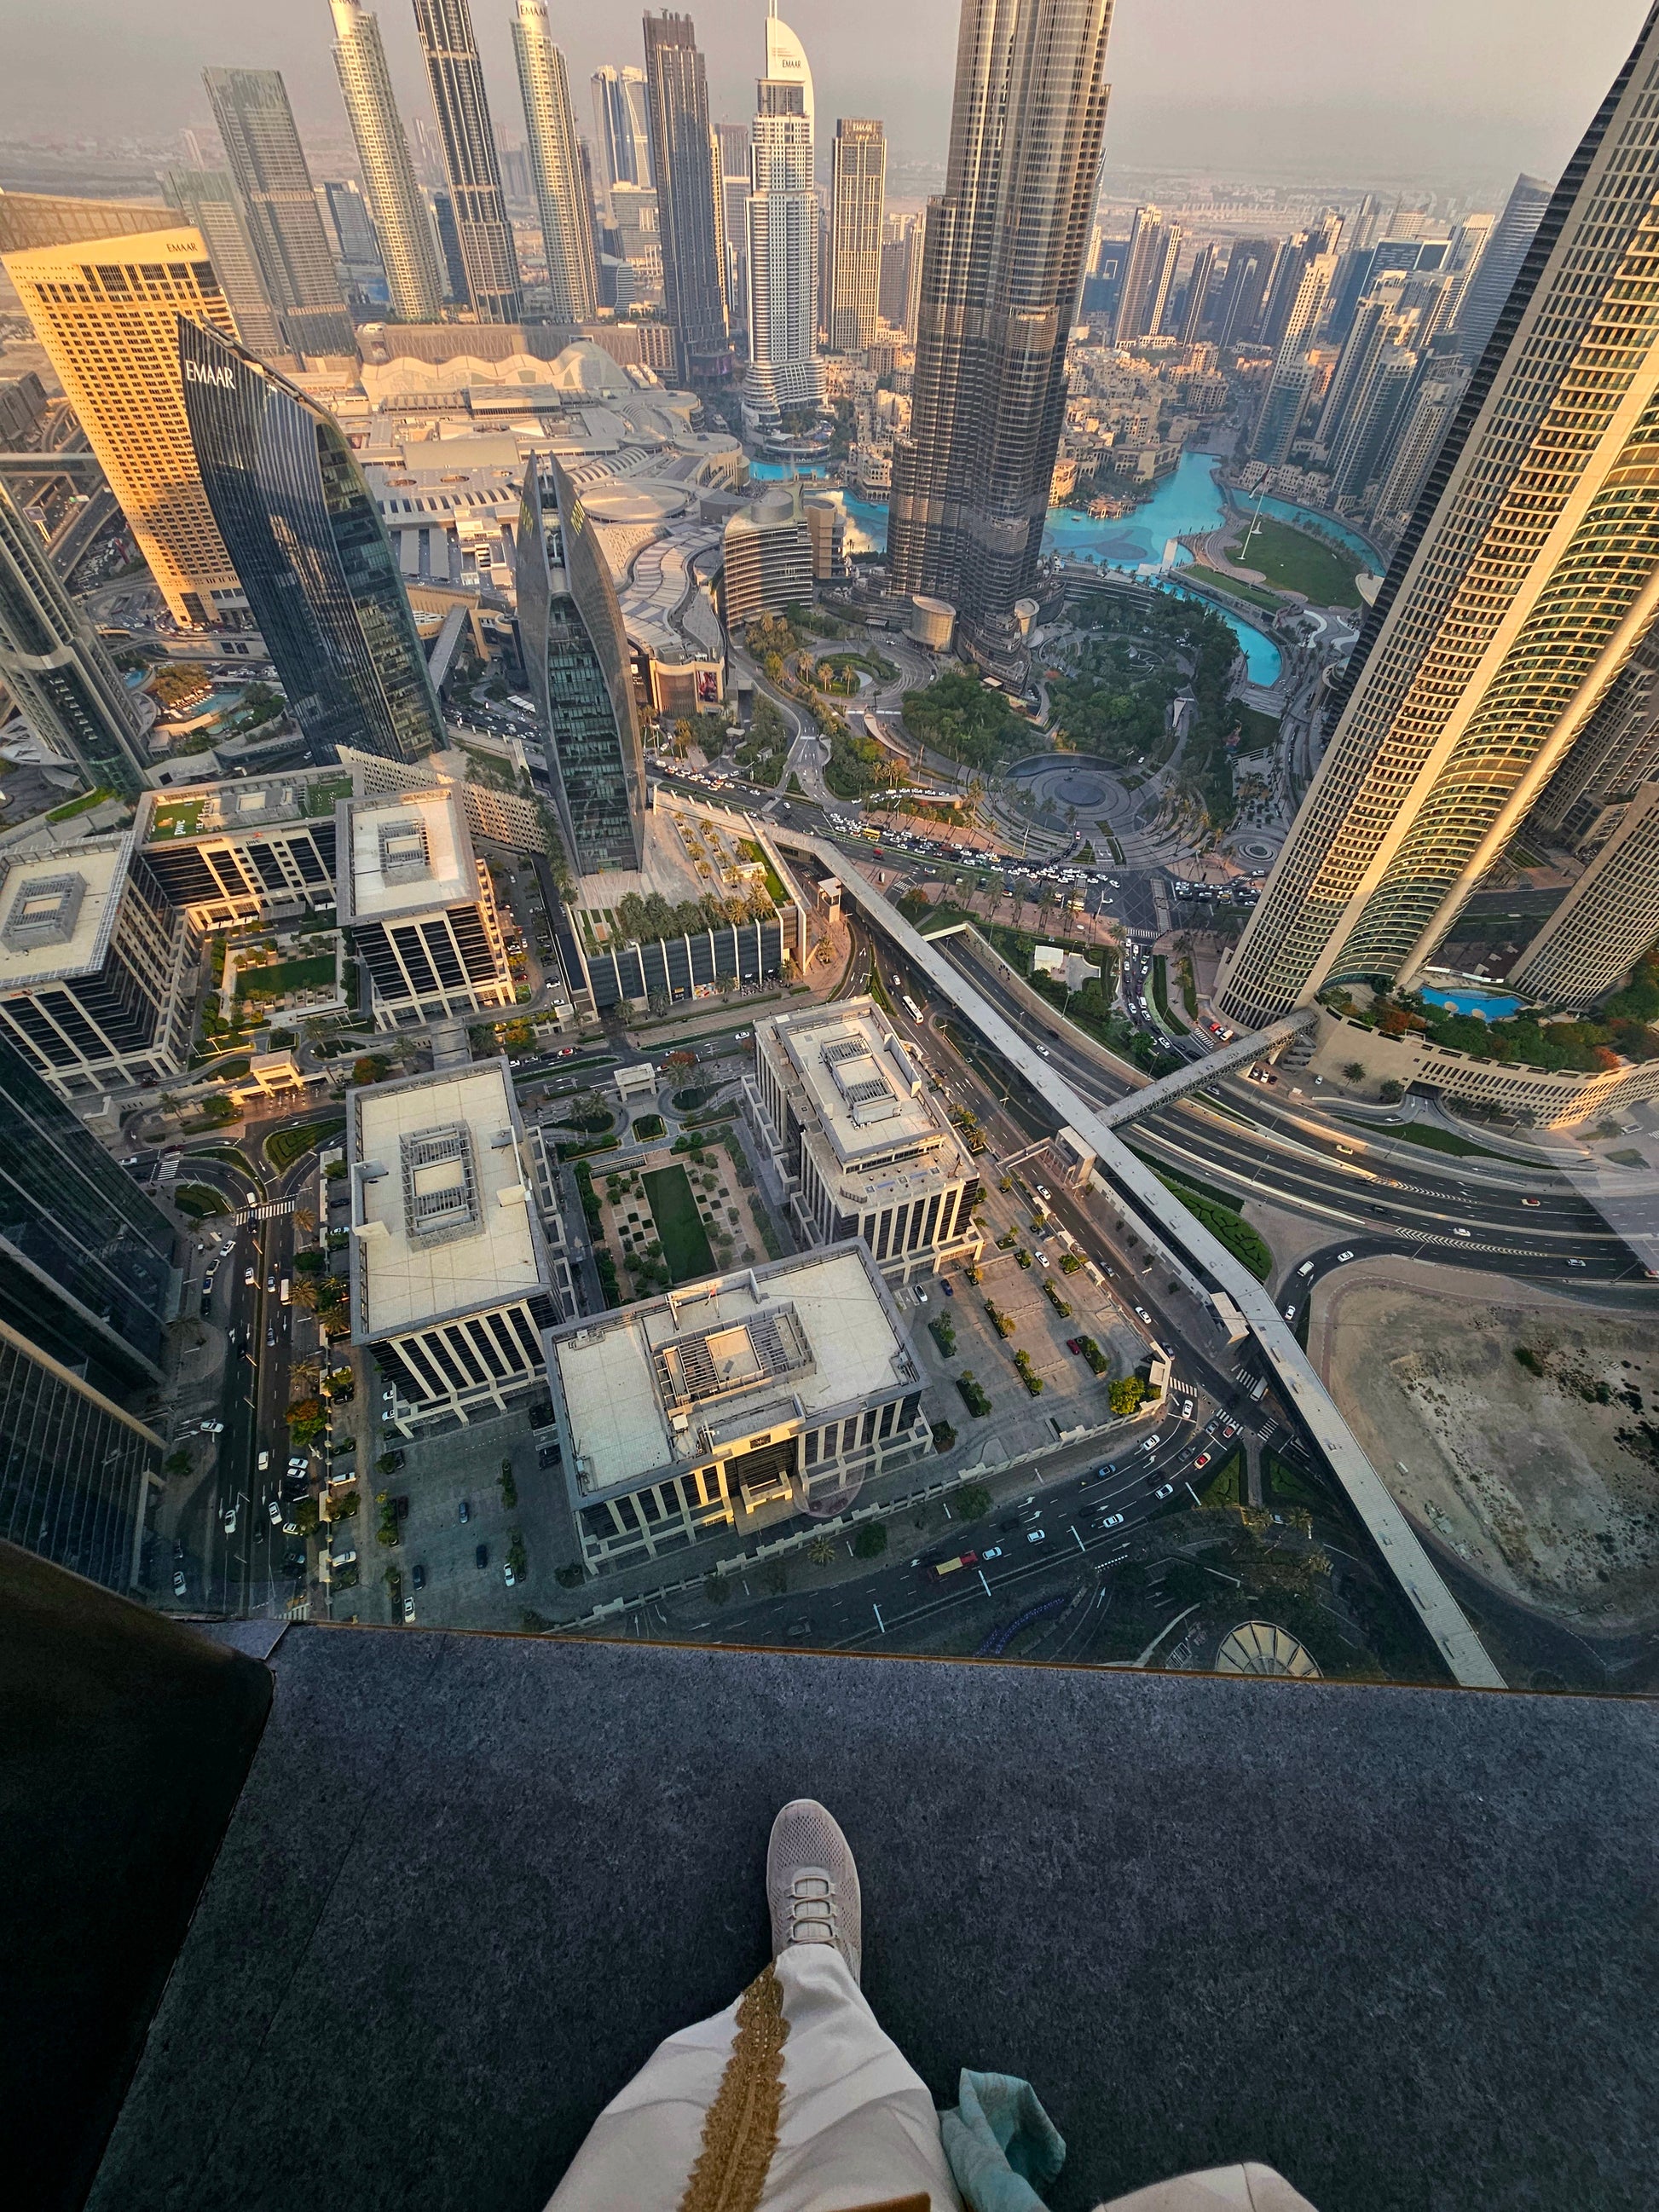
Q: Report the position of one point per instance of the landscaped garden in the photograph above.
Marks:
(1292, 561)
(686, 1251)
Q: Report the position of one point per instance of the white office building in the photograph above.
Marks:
(451, 1285)
(731, 1405)
(418, 908)
(862, 1146)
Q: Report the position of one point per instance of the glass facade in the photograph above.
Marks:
(75, 1474)
(576, 656)
(279, 205)
(484, 236)
(313, 558)
(85, 1258)
(682, 160)
(1527, 579)
(1001, 271)
(68, 689)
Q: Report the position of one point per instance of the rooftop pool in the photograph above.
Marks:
(1491, 1005)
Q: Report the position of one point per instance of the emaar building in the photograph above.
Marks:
(313, 554)
(576, 661)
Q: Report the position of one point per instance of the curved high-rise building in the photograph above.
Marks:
(1002, 269)
(405, 236)
(576, 661)
(483, 231)
(313, 556)
(67, 688)
(1526, 577)
(555, 166)
(782, 242)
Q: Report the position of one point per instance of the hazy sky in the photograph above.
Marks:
(1447, 91)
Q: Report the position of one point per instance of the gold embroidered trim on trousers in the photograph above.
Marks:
(741, 2131)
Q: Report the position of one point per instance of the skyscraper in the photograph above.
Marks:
(207, 200)
(1000, 287)
(279, 205)
(782, 217)
(576, 661)
(620, 125)
(107, 313)
(737, 182)
(85, 1292)
(313, 556)
(405, 236)
(1249, 267)
(858, 196)
(1526, 578)
(67, 688)
(1500, 265)
(1198, 287)
(1145, 277)
(1609, 918)
(555, 168)
(684, 162)
(480, 206)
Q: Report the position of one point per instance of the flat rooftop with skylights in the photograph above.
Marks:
(713, 1369)
(443, 1218)
(57, 910)
(403, 852)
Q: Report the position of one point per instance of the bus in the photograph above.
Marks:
(911, 1007)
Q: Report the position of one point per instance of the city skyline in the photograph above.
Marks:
(1191, 97)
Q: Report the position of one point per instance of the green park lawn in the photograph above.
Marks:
(686, 1247)
(1292, 561)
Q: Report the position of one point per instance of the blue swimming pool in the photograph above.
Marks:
(1491, 1005)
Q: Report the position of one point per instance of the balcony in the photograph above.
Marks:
(1396, 1942)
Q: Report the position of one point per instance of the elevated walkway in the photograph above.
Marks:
(1192, 1253)
(1239, 1053)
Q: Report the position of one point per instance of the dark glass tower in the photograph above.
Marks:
(85, 1290)
(313, 556)
(85, 1257)
(576, 654)
(67, 688)
(484, 232)
(1001, 270)
(686, 163)
(267, 163)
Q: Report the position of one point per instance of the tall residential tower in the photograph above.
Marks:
(624, 137)
(782, 218)
(67, 688)
(685, 160)
(107, 310)
(1526, 578)
(1004, 262)
(555, 167)
(407, 252)
(279, 204)
(475, 170)
(858, 198)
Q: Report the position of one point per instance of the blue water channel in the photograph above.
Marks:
(1185, 505)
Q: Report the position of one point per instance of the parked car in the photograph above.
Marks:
(466, 1510)
(948, 1292)
(1074, 1344)
(274, 1508)
(481, 1557)
(417, 1576)
(347, 1560)
(409, 1610)
(179, 1585)
(512, 1579)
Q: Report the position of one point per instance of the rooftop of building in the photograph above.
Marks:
(1391, 1941)
(661, 1385)
(857, 1075)
(443, 1216)
(242, 804)
(686, 858)
(408, 851)
(58, 910)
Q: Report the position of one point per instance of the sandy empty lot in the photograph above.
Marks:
(1543, 1474)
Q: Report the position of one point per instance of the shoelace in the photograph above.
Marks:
(811, 1909)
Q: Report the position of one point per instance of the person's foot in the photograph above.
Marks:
(812, 1883)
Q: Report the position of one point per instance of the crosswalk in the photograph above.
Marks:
(267, 1211)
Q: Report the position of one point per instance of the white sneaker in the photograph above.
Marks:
(812, 1883)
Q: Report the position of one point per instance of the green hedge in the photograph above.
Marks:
(1234, 1234)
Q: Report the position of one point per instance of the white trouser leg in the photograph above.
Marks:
(857, 2123)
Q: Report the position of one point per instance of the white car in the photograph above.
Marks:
(1036, 1535)
(179, 1585)
(229, 1518)
(512, 1578)
(1113, 1521)
(1342, 1258)
(1289, 1313)
(995, 1552)
(1153, 1440)
(1167, 1491)
(275, 1509)
(408, 1611)
(1306, 1268)
(213, 1428)
(265, 1463)
(1460, 1232)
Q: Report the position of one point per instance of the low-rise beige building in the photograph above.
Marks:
(733, 1404)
